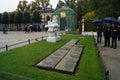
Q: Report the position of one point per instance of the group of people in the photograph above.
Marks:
(34, 28)
(31, 28)
(110, 31)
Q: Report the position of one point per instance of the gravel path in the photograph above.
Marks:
(16, 37)
(111, 59)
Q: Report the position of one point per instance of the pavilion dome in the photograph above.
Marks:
(66, 9)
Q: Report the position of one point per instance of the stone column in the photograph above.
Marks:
(119, 18)
(83, 26)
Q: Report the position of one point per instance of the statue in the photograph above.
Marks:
(53, 29)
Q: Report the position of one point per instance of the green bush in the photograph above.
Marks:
(89, 26)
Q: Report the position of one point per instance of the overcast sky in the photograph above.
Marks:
(11, 5)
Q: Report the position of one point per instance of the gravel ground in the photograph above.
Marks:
(111, 60)
(16, 37)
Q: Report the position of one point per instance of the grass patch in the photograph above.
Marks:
(20, 61)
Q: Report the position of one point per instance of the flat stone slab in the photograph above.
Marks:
(64, 59)
(69, 62)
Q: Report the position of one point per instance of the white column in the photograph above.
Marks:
(83, 25)
(118, 18)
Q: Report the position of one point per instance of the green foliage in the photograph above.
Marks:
(89, 27)
(82, 8)
(11, 17)
(105, 8)
(42, 4)
(32, 6)
(23, 6)
(90, 16)
(60, 4)
(19, 17)
(36, 16)
(26, 17)
(5, 18)
(21, 61)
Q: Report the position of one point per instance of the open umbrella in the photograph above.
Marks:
(111, 20)
(97, 21)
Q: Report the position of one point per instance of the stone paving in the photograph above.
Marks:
(111, 60)
(64, 59)
(17, 37)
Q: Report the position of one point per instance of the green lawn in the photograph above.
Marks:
(21, 61)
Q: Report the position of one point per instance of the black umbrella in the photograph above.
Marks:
(97, 21)
(111, 20)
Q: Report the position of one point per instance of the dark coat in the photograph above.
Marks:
(114, 32)
(107, 31)
(99, 30)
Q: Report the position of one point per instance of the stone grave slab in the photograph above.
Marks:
(65, 59)
(69, 62)
(52, 60)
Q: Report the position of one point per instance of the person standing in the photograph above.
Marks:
(107, 34)
(99, 33)
(114, 33)
(118, 32)
(4, 29)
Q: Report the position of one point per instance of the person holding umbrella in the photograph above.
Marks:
(98, 29)
(99, 33)
(107, 34)
(114, 34)
(118, 27)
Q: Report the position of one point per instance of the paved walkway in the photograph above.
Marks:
(18, 36)
(111, 59)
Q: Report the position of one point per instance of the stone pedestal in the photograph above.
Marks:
(53, 35)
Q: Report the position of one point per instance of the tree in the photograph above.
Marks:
(82, 8)
(70, 3)
(90, 16)
(11, 17)
(33, 6)
(105, 8)
(18, 19)
(5, 18)
(60, 4)
(23, 6)
(116, 7)
(42, 4)
(36, 18)
(26, 17)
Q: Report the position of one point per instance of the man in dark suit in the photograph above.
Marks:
(107, 34)
(118, 32)
(114, 34)
(99, 33)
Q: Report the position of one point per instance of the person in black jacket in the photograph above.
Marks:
(118, 32)
(107, 34)
(114, 34)
(99, 33)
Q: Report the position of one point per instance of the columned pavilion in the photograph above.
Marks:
(67, 18)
